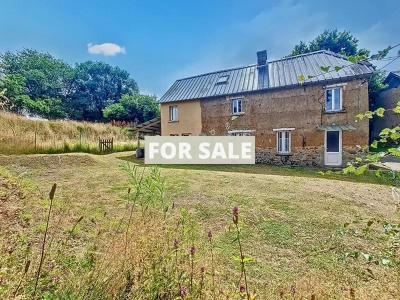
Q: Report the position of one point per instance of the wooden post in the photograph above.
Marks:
(35, 141)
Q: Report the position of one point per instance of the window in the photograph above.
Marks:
(334, 99)
(284, 142)
(237, 106)
(222, 79)
(332, 141)
(241, 132)
(174, 134)
(186, 134)
(173, 114)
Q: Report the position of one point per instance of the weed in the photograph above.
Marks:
(42, 250)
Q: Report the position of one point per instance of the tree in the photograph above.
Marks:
(14, 92)
(133, 108)
(342, 42)
(97, 85)
(346, 44)
(44, 76)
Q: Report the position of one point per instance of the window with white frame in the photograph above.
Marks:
(173, 113)
(334, 99)
(284, 142)
(237, 106)
(241, 132)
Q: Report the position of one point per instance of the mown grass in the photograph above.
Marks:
(291, 226)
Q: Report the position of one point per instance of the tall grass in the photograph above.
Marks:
(20, 135)
(155, 252)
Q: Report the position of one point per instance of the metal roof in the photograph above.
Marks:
(284, 72)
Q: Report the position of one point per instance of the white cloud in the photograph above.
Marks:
(106, 49)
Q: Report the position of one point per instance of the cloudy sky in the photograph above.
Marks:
(161, 41)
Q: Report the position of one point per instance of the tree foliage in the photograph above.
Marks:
(38, 83)
(342, 42)
(44, 76)
(133, 108)
(96, 85)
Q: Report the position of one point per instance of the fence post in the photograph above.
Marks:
(35, 141)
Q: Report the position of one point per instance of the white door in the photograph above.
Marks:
(333, 147)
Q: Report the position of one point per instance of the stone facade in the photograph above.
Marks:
(301, 108)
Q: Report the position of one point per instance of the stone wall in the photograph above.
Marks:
(305, 157)
(388, 100)
(301, 108)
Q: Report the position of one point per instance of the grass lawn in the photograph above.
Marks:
(292, 219)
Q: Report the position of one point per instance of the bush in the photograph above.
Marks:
(137, 108)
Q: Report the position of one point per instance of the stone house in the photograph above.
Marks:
(387, 99)
(298, 113)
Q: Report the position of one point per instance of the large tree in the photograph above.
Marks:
(97, 85)
(38, 83)
(44, 76)
(342, 42)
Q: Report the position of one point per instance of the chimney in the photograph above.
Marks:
(261, 58)
(262, 69)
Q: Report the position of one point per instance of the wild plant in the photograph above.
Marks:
(43, 245)
(156, 260)
(243, 259)
(210, 240)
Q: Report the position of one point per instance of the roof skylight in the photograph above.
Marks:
(222, 79)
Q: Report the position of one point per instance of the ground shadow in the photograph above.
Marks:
(267, 170)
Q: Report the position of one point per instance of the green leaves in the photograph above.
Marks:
(397, 108)
(351, 169)
(301, 78)
(394, 151)
(380, 112)
(325, 69)
(381, 54)
(337, 68)
(133, 107)
(355, 59)
(342, 42)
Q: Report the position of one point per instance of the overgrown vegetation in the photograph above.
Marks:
(38, 84)
(20, 135)
(170, 233)
(150, 254)
(388, 144)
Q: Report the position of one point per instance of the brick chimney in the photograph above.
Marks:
(262, 69)
(261, 58)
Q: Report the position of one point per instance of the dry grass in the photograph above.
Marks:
(20, 135)
(290, 226)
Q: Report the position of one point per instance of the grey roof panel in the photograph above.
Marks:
(281, 73)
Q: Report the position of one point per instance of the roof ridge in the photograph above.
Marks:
(270, 61)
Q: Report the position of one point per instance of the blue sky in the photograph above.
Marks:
(161, 41)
